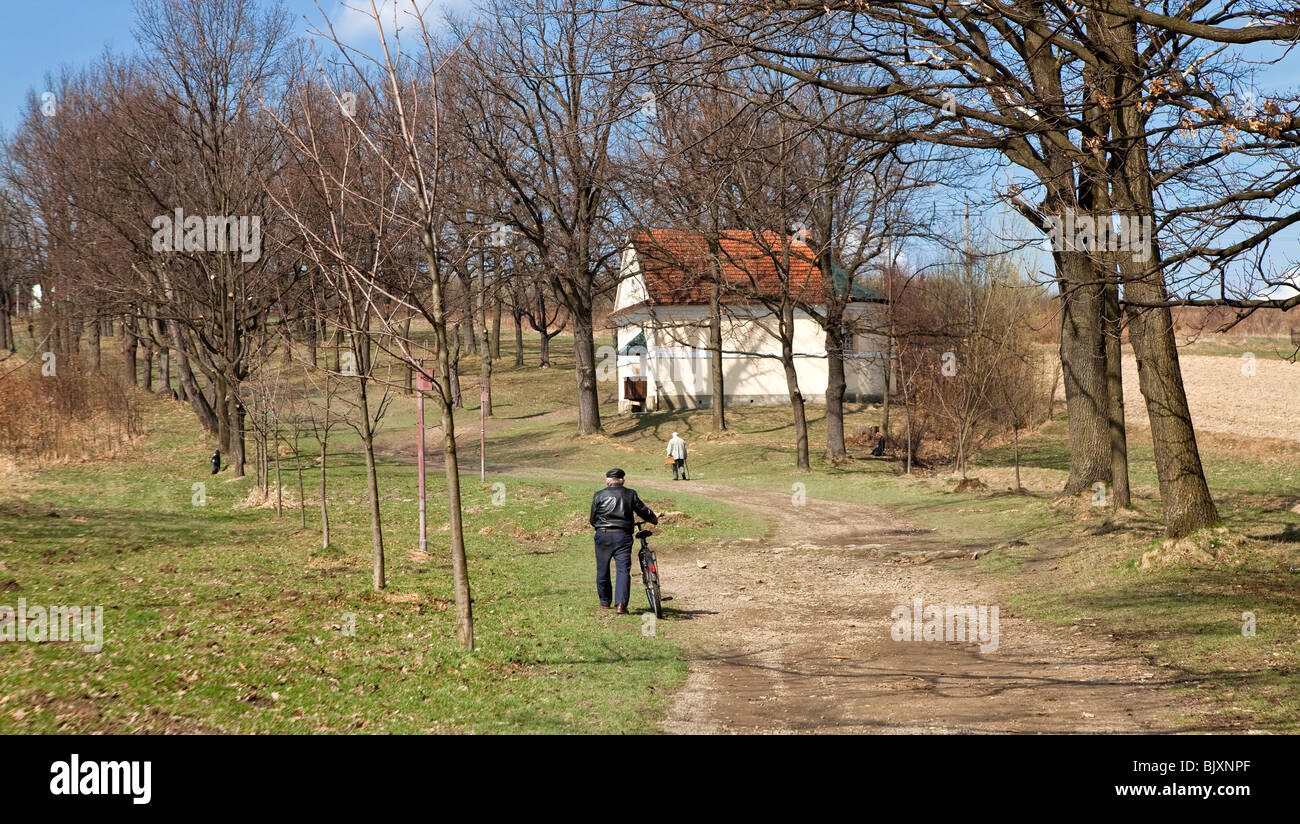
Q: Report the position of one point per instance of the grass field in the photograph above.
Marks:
(226, 617)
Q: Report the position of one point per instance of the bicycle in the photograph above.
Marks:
(649, 571)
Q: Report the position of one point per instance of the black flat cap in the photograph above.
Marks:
(615, 473)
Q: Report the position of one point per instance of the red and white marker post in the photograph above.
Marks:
(482, 436)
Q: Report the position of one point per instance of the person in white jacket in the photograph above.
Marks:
(677, 451)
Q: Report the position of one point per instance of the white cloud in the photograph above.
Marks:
(1287, 286)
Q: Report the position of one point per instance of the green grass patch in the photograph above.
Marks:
(225, 618)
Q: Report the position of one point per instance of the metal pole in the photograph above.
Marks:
(419, 459)
(482, 438)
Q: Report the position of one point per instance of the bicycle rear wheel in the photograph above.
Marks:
(650, 577)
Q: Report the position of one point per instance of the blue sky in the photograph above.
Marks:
(34, 42)
(37, 37)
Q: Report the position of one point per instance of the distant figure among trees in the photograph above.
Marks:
(677, 451)
(879, 448)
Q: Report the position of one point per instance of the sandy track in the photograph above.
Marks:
(791, 633)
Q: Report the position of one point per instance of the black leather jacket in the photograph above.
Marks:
(614, 507)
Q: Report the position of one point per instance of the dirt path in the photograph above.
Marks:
(791, 633)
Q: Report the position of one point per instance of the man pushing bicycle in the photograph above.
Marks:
(614, 510)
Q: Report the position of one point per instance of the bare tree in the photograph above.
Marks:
(549, 82)
(393, 133)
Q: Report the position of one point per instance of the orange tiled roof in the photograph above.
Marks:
(677, 267)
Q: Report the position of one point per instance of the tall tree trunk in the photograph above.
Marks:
(324, 507)
(465, 330)
(485, 373)
(148, 357)
(457, 399)
(909, 451)
(584, 352)
(792, 386)
(286, 340)
(885, 398)
(261, 463)
(1183, 491)
(545, 360)
(1083, 364)
(1094, 199)
(189, 389)
(164, 370)
(1115, 398)
(55, 321)
(1083, 350)
(888, 392)
(836, 386)
(235, 427)
(1184, 494)
(312, 337)
(460, 567)
(129, 342)
(96, 359)
(496, 320)
(715, 352)
(221, 405)
(519, 338)
(372, 481)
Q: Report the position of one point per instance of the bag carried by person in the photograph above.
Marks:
(668, 460)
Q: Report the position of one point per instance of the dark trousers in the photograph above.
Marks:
(618, 547)
(679, 464)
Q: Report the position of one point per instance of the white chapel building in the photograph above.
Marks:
(661, 312)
